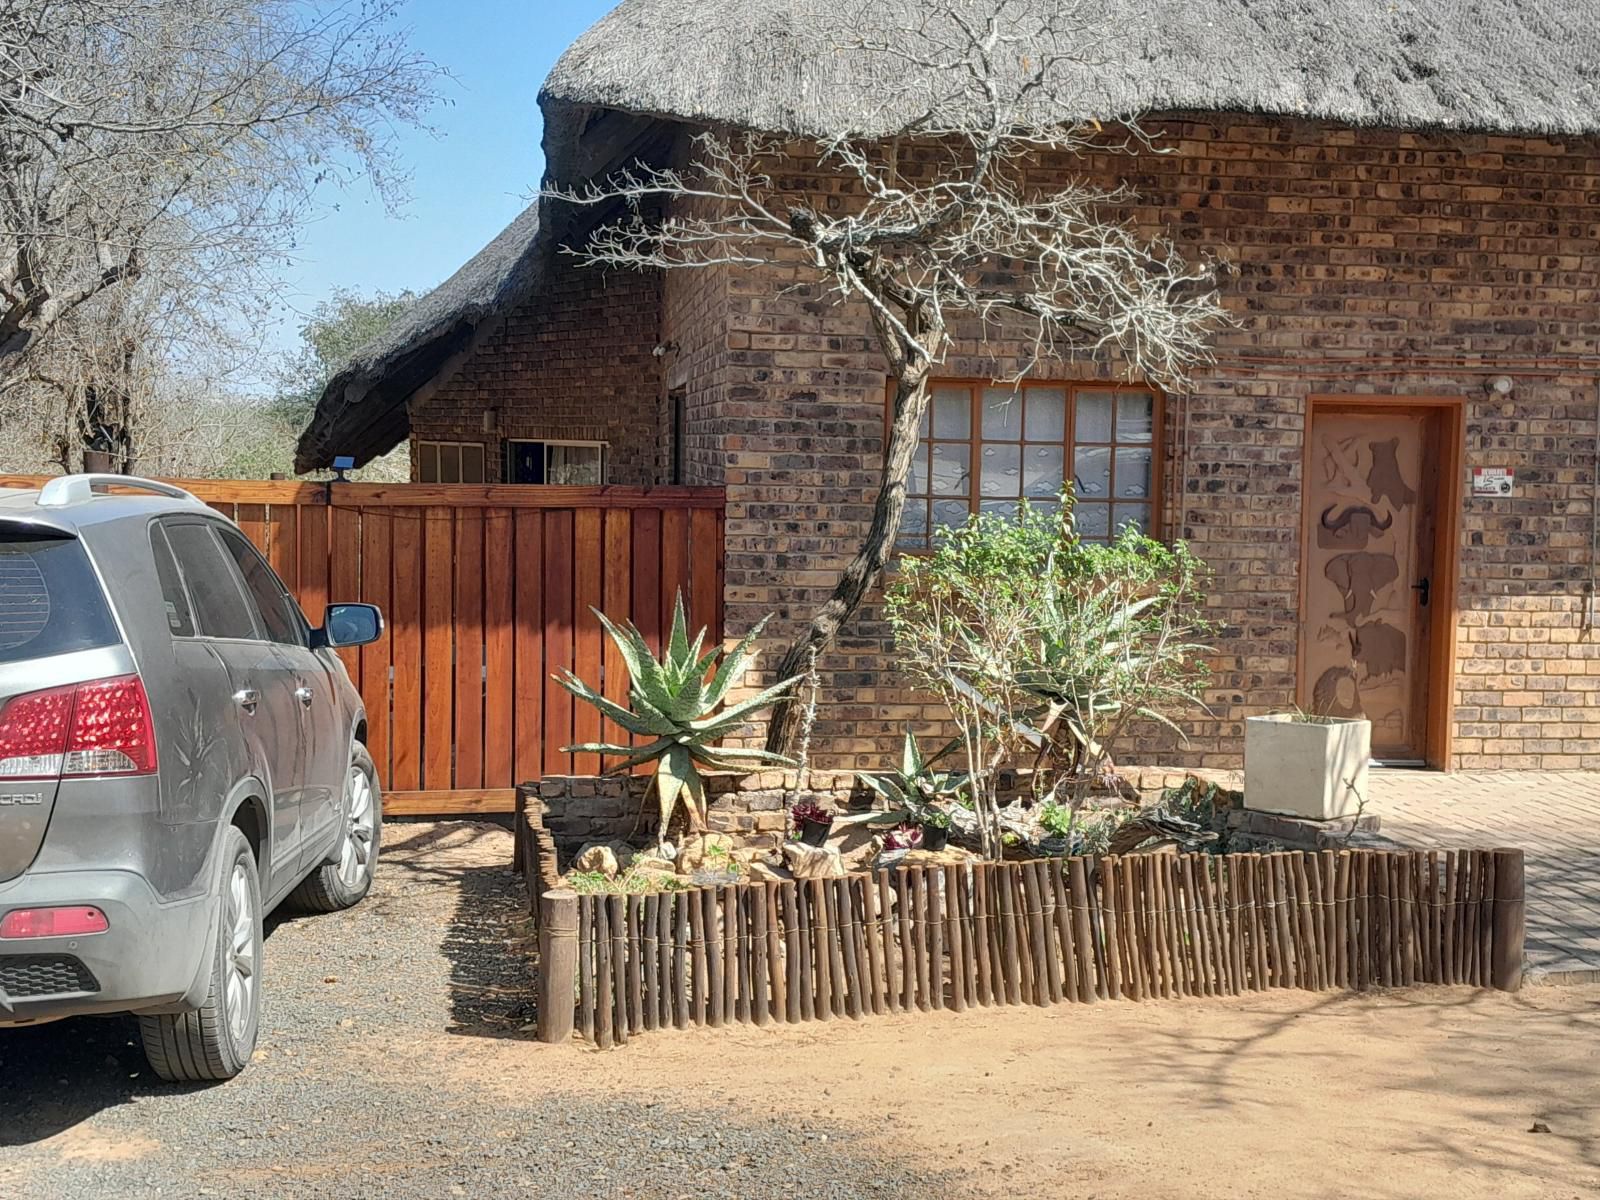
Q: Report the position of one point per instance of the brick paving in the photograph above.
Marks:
(1553, 816)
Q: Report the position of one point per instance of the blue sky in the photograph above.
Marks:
(470, 178)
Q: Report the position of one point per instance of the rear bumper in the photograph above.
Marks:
(147, 959)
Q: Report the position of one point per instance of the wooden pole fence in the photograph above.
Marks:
(1043, 932)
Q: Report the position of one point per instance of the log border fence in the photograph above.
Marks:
(1041, 932)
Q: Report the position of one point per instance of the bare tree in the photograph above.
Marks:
(157, 158)
(978, 88)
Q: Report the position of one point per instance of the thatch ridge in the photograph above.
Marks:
(1511, 66)
(1482, 66)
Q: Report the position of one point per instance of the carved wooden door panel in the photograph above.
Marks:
(1367, 600)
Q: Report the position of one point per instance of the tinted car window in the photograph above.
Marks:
(50, 600)
(220, 608)
(179, 619)
(271, 600)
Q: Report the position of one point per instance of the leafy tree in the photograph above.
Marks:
(335, 329)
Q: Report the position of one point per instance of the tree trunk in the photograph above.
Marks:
(866, 568)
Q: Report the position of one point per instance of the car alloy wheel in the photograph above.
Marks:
(355, 856)
(239, 990)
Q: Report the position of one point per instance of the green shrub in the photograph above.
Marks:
(1047, 649)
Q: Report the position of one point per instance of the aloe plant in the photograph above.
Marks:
(916, 784)
(672, 702)
(911, 793)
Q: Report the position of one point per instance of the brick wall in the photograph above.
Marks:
(573, 364)
(1419, 255)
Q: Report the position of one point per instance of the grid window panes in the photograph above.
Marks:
(987, 448)
(450, 462)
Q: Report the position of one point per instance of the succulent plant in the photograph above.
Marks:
(672, 702)
(914, 791)
(903, 837)
(806, 810)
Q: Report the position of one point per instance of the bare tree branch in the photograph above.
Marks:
(959, 228)
(157, 158)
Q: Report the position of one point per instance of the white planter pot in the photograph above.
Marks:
(1312, 769)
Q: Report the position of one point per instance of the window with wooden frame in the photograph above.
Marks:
(565, 463)
(450, 462)
(987, 447)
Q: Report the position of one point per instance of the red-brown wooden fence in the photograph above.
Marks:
(486, 592)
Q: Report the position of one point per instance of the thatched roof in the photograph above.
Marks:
(363, 409)
(1516, 66)
(1511, 66)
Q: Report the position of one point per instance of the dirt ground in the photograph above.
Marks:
(1431, 1092)
(396, 1061)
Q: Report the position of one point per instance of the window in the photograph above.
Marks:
(220, 608)
(679, 403)
(986, 448)
(572, 464)
(279, 614)
(450, 462)
(180, 622)
(50, 600)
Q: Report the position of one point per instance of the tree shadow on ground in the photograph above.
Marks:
(1469, 1071)
(488, 937)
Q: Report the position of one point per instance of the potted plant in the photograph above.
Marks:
(1302, 765)
(935, 825)
(812, 822)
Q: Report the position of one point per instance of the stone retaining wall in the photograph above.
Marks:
(752, 809)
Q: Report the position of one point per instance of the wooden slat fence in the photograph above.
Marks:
(1040, 932)
(486, 592)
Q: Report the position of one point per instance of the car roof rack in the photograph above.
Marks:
(74, 489)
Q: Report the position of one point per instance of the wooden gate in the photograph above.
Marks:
(486, 592)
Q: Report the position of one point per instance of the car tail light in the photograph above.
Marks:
(33, 733)
(102, 727)
(53, 922)
(111, 733)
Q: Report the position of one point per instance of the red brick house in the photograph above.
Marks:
(1393, 466)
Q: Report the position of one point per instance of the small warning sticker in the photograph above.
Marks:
(1493, 481)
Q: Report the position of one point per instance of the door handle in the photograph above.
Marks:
(1425, 587)
(303, 694)
(247, 699)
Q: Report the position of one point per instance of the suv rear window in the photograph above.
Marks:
(50, 600)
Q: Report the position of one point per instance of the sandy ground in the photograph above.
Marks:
(1424, 1093)
(415, 1014)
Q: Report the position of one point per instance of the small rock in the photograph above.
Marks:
(813, 862)
(950, 856)
(607, 858)
(1538, 1127)
(695, 848)
(652, 864)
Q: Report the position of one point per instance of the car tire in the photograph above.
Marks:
(346, 881)
(215, 1041)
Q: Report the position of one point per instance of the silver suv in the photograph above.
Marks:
(180, 751)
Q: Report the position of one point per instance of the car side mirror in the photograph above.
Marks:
(349, 625)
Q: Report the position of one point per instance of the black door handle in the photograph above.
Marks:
(1425, 587)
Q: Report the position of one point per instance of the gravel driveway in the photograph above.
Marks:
(359, 1086)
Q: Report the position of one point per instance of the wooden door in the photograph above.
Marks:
(1369, 597)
